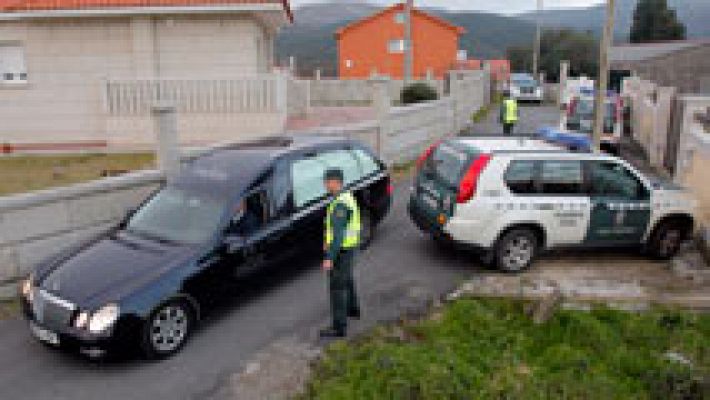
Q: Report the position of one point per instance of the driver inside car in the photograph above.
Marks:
(247, 218)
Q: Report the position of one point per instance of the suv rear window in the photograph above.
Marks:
(447, 163)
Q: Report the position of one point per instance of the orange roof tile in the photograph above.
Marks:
(7, 6)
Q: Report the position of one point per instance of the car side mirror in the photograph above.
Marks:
(126, 216)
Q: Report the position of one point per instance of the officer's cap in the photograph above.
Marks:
(333, 174)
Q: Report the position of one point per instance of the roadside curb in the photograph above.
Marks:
(575, 293)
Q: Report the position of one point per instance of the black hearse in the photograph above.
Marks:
(231, 211)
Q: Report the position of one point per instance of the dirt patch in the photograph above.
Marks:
(618, 280)
(277, 372)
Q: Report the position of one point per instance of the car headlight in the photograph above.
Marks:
(104, 318)
(27, 289)
(82, 319)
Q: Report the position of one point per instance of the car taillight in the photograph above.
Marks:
(390, 189)
(426, 154)
(467, 187)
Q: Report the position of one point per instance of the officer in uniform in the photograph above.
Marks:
(508, 113)
(342, 238)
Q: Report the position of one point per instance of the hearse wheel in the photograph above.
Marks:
(167, 329)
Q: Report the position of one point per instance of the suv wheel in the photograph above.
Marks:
(167, 329)
(666, 240)
(516, 250)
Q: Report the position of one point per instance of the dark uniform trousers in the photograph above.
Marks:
(508, 128)
(343, 296)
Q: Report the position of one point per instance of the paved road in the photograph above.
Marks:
(400, 266)
(532, 117)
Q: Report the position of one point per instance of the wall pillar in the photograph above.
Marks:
(167, 148)
(381, 103)
(318, 74)
(454, 93)
(662, 125)
(564, 76)
(292, 65)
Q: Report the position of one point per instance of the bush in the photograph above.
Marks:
(417, 93)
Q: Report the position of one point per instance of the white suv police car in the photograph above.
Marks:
(514, 197)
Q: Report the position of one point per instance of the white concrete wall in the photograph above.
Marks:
(355, 92)
(694, 153)
(68, 61)
(651, 108)
(407, 131)
(400, 134)
(38, 225)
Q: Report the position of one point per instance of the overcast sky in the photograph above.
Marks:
(497, 6)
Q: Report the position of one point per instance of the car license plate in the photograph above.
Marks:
(44, 335)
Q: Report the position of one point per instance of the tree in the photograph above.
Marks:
(581, 49)
(654, 21)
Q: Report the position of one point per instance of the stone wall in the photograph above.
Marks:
(37, 225)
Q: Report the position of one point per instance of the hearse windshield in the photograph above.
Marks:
(178, 215)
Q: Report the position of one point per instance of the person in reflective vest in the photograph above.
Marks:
(508, 113)
(342, 239)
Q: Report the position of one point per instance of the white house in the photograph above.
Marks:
(86, 72)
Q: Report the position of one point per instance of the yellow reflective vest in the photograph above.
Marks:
(351, 239)
(511, 111)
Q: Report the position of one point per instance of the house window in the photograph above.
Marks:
(399, 18)
(396, 46)
(12, 64)
(348, 63)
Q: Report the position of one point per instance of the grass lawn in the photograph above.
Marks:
(33, 172)
(491, 349)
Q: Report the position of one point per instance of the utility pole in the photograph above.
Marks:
(538, 39)
(603, 80)
(408, 47)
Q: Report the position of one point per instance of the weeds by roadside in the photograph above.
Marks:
(491, 349)
(482, 114)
